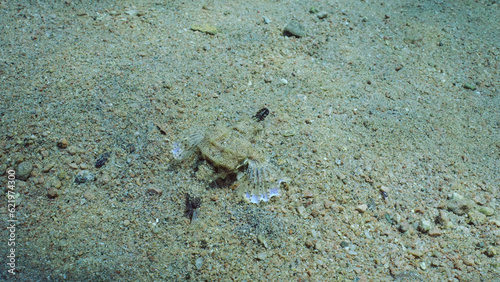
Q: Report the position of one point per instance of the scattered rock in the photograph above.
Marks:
(443, 219)
(72, 150)
(362, 208)
(89, 195)
(302, 212)
(320, 245)
(415, 253)
(310, 244)
(403, 227)
(424, 226)
(63, 143)
(261, 256)
(199, 263)
(328, 204)
(469, 86)
(102, 159)
(476, 217)
(24, 170)
(53, 183)
(152, 191)
(3, 169)
(490, 251)
(308, 194)
(385, 189)
(205, 28)
(487, 211)
(468, 262)
(52, 193)
(47, 167)
(322, 15)
(434, 232)
(84, 176)
(294, 28)
(263, 241)
(459, 206)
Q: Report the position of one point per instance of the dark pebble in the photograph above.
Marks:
(102, 159)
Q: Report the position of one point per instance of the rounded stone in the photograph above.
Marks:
(294, 28)
(24, 170)
(424, 226)
(63, 143)
(52, 193)
(84, 176)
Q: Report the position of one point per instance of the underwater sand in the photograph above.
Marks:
(384, 118)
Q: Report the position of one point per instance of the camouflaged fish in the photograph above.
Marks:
(233, 150)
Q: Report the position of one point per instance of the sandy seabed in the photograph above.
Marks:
(384, 119)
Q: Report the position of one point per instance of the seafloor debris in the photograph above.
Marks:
(192, 208)
(232, 150)
(102, 159)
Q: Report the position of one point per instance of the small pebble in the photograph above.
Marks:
(469, 86)
(261, 256)
(302, 212)
(468, 262)
(424, 226)
(308, 194)
(48, 167)
(266, 20)
(52, 193)
(24, 170)
(443, 220)
(361, 208)
(102, 159)
(459, 206)
(322, 15)
(53, 183)
(385, 189)
(328, 204)
(72, 150)
(63, 143)
(434, 232)
(476, 217)
(309, 244)
(294, 28)
(491, 251)
(487, 211)
(199, 263)
(320, 246)
(89, 195)
(403, 227)
(205, 28)
(84, 176)
(154, 191)
(415, 253)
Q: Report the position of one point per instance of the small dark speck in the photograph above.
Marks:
(102, 159)
(130, 148)
(261, 114)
